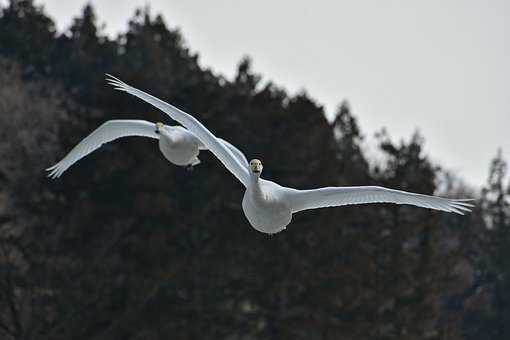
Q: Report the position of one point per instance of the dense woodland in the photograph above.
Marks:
(127, 246)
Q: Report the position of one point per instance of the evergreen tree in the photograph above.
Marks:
(413, 266)
(29, 116)
(354, 169)
(496, 207)
(128, 247)
(27, 35)
(84, 47)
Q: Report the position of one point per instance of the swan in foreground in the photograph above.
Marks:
(269, 206)
(178, 145)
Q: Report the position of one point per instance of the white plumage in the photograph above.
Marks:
(178, 145)
(269, 206)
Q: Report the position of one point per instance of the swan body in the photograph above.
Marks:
(269, 206)
(265, 206)
(178, 145)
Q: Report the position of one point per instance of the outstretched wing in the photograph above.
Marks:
(337, 196)
(236, 152)
(107, 132)
(220, 150)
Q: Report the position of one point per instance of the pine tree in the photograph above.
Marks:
(412, 266)
(27, 36)
(496, 206)
(354, 169)
(30, 116)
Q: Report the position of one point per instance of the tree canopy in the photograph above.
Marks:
(127, 246)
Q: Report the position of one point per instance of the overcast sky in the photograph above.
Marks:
(440, 66)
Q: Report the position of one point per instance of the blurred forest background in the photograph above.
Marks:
(127, 246)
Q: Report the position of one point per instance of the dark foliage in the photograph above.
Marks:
(125, 246)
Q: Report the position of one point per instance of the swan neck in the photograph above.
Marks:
(167, 135)
(255, 188)
(254, 179)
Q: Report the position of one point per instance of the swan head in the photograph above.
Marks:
(256, 166)
(159, 127)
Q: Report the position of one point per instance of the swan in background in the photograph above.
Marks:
(178, 145)
(269, 206)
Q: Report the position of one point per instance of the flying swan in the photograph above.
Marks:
(269, 206)
(178, 145)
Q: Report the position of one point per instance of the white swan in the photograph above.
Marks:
(269, 206)
(178, 145)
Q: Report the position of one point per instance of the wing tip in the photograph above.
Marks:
(461, 206)
(55, 171)
(115, 82)
(110, 76)
(456, 211)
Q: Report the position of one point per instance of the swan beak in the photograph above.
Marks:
(256, 168)
(159, 126)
